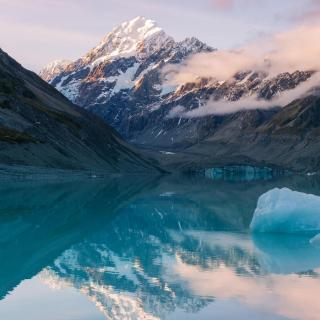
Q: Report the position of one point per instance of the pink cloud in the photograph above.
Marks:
(231, 4)
(297, 296)
(286, 51)
(223, 4)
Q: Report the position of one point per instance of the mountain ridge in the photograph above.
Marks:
(39, 127)
(134, 96)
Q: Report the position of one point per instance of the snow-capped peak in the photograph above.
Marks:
(138, 37)
(138, 28)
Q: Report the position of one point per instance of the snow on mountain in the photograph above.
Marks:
(139, 37)
(121, 61)
(123, 81)
(53, 69)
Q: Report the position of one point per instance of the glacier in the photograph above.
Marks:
(286, 211)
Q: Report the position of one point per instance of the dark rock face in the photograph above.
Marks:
(40, 127)
(278, 138)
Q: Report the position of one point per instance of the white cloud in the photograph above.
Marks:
(248, 103)
(297, 49)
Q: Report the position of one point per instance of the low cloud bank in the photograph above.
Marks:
(222, 107)
(297, 49)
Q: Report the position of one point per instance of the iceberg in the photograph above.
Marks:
(286, 211)
(316, 240)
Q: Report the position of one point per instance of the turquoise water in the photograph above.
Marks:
(150, 248)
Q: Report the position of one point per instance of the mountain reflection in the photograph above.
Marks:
(147, 249)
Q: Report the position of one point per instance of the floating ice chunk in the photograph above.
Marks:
(286, 211)
(316, 240)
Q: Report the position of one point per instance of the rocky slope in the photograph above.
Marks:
(40, 127)
(285, 138)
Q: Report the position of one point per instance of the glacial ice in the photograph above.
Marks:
(315, 240)
(243, 173)
(286, 211)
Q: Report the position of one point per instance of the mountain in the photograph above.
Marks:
(120, 79)
(282, 137)
(39, 127)
(123, 81)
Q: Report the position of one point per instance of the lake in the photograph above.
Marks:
(137, 247)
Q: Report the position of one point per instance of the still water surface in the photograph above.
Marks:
(150, 248)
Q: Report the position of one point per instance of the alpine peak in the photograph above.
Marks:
(138, 28)
(137, 37)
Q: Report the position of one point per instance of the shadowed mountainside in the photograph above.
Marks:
(39, 127)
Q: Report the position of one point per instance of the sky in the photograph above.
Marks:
(36, 32)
